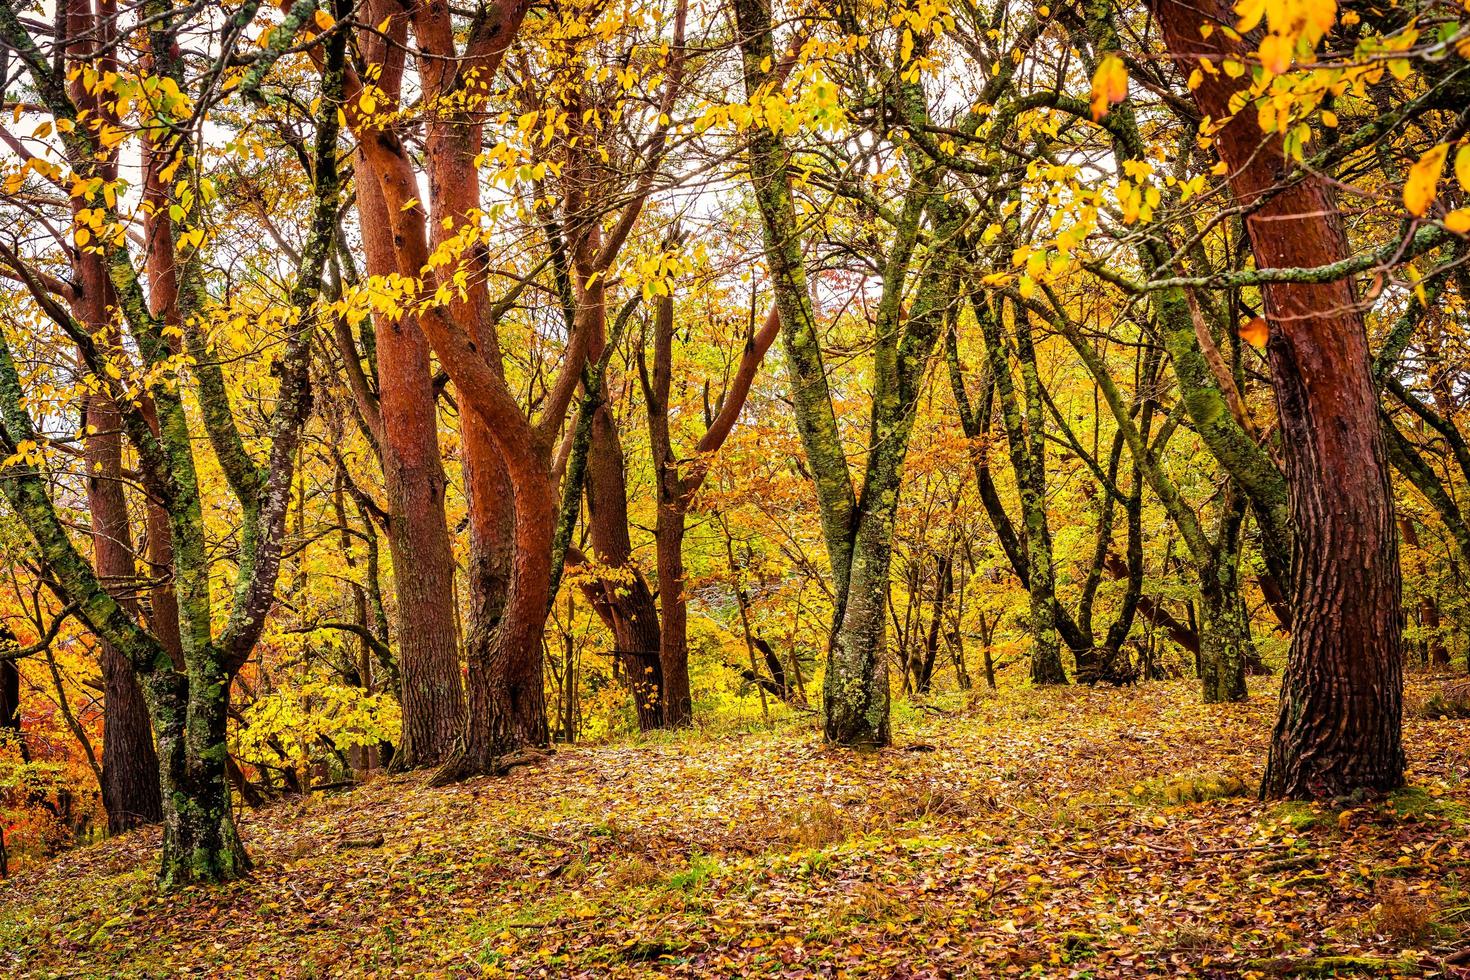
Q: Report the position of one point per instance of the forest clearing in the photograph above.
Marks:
(898, 488)
(1051, 833)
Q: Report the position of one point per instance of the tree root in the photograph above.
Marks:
(463, 765)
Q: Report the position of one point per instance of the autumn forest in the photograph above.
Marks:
(580, 488)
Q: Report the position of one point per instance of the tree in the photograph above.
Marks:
(188, 701)
(1341, 702)
(677, 481)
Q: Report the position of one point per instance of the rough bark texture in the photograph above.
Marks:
(1028, 460)
(1341, 700)
(418, 536)
(129, 781)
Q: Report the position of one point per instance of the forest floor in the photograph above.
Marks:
(1055, 833)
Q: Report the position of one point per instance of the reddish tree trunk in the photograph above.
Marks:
(511, 512)
(507, 707)
(1339, 728)
(626, 602)
(130, 777)
(418, 537)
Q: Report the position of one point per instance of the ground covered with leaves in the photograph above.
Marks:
(1059, 833)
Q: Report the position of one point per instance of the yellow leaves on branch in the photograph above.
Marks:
(1423, 181)
(1109, 85)
(1421, 186)
(1294, 28)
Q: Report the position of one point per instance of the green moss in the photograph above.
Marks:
(1414, 805)
(1190, 788)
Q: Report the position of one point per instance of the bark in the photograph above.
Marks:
(673, 642)
(129, 776)
(677, 482)
(1339, 728)
(432, 699)
(1028, 460)
(924, 674)
(1224, 630)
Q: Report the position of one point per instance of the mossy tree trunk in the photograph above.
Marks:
(188, 697)
(1025, 439)
(1225, 637)
(857, 527)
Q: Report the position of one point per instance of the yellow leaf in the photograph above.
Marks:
(1109, 85)
(1423, 181)
(1275, 53)
(1255, 332)
(1250, 12)
(1458, 221)
(323, 20)
(1462, 167)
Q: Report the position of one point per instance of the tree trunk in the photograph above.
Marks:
(1027, 450)
(855, 689)
(200, 842)
(1341, 698)
(673, 646)
(507, 694)
(925, 677)
(1225, 635)
(627, 603)
(418, 537)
